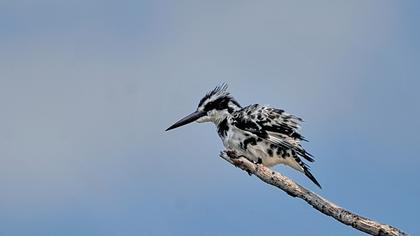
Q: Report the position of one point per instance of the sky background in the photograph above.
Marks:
(87, 89)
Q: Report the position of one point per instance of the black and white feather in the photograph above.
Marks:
(262, 134)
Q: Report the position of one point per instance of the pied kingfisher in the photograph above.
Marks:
(262, 134)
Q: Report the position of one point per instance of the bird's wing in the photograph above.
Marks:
(273, 125)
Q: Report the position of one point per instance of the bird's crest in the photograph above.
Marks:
(216, 92)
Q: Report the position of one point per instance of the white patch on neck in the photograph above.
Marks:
(218, 116)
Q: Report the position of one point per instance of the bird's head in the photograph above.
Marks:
(215, 106)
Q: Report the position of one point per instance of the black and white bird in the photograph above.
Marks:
(265, 135)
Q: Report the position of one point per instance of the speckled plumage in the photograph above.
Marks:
(262, 134)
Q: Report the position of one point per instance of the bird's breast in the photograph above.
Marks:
(234, 139)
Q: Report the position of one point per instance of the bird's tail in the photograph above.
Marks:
(301, 166)
(310, 176)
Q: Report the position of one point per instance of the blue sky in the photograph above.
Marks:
(87, 88)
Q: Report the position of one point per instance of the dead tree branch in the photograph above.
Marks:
(295, 190)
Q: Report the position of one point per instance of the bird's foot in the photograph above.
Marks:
(235, 159)
(233, 155)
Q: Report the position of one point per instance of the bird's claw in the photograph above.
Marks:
(232, 154)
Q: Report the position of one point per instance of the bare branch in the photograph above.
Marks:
(295, 190)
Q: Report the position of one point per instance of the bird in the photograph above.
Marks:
(262, 134)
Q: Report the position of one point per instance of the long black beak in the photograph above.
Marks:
(188, 119)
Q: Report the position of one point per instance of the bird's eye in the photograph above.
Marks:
(209, 106)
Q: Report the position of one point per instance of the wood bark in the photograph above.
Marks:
(321, 204)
